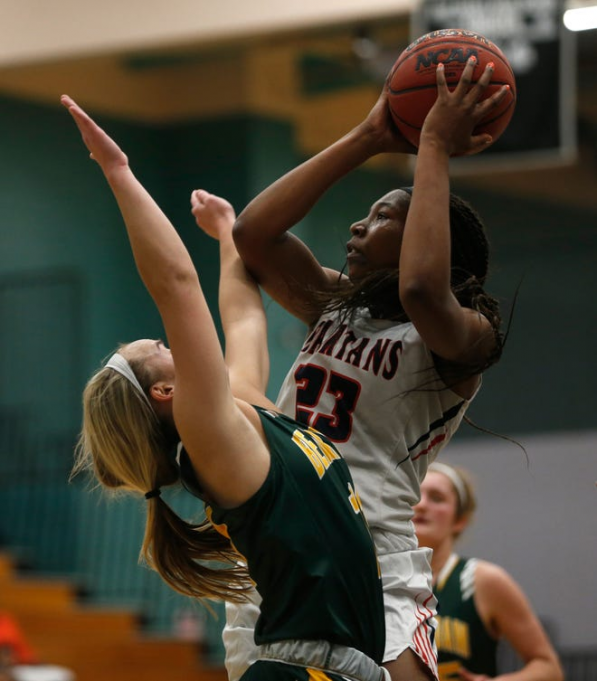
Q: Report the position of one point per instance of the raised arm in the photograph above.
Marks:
(228, 454)
(451, 331)
(241, 308)
(279, 261)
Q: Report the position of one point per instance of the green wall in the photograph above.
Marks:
(546, 380)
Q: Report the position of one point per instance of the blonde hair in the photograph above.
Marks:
(123, 444)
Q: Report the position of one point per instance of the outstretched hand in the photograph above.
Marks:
(454, 115)
(213, 214)
(102, 147)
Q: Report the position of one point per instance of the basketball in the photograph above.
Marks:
(412, 85)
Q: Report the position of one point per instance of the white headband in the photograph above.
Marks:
(454, 477)
(119, 364)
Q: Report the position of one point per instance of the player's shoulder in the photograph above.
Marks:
(493, 580)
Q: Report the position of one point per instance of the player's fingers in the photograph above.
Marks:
(492, 102)
(73, 108)
(78, 114)
(466, 78)
(478, 143)
(66, 101)
(202, 195)
(88, 128)
(440, 77)
(198, 197)
(476, 90)
(486, 75)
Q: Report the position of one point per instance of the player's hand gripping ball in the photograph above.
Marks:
(412, 85)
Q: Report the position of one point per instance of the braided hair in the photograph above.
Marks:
(379, 291)
(470, 266)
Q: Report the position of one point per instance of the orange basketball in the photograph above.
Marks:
(412, 85)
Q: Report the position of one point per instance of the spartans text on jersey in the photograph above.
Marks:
(341, 343)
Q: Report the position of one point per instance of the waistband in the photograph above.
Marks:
(349, 662)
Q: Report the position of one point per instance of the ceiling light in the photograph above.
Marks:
(580, 16)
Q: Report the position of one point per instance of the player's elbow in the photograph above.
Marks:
(253, 245)
(169, 283)
(246, 239)
(245, 234)
(554, 668)
(417, 293)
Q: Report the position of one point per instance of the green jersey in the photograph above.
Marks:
(461, 637)
(307, 545)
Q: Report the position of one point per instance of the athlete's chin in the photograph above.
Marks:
(356, 272)
(425, 536)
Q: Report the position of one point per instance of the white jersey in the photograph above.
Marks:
(371, 386)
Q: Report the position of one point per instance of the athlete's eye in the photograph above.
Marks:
(381, 216)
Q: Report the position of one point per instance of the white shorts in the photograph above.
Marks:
(409, 605)
(239, 636)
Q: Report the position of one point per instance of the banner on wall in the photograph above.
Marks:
(542, 53)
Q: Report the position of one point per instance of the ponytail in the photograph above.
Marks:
(124, 445)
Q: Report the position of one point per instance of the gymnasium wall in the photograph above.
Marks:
(64, 256)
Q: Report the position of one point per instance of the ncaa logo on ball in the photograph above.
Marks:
(446, 56)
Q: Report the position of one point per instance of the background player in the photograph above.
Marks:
(479, 603)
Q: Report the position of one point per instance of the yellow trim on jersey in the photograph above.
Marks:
(222, 529)
(320, 454)
(355, 499)
(327, 450)
(317, 675)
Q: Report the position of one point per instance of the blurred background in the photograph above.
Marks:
(227, 96)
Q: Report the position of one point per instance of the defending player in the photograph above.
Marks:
(253, 467)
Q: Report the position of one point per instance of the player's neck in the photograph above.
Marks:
(441, 555)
